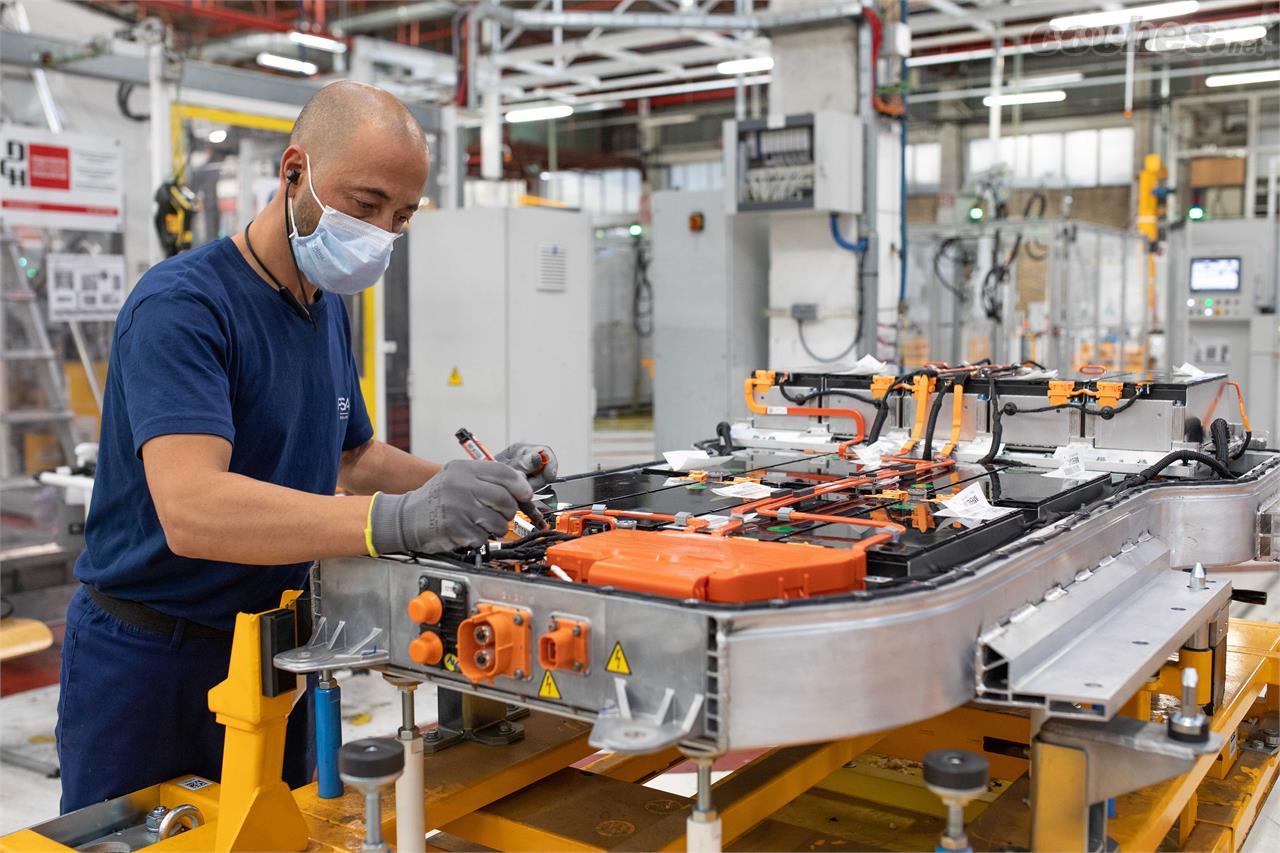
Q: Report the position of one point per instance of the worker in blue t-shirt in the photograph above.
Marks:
(232, 412)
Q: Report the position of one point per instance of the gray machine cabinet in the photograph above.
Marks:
(500, 301)
(1238, 333)
(710, 290)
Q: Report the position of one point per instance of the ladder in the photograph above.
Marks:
(20, 311)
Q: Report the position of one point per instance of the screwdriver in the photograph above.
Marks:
(479, 452)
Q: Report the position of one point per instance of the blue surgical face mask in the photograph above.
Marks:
(343, 255)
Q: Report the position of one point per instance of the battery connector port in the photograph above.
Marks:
(565, 646)
(494, 641)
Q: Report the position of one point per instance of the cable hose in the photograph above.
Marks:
(997, 428)
(1148, 474)
(934, 410)
(1221, 434)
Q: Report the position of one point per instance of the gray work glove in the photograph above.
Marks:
(461, 507)
(536, 461)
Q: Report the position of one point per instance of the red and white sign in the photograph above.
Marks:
(60, 180)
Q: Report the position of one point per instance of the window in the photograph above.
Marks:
(608, 191)
(924, 167)
(1077, 158)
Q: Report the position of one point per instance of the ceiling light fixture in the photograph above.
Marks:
(218, 136)
(539, 113)
(750, 65)
(1015, 99)
(1127, 15)
(318, 42)
(285, 63)
(1201, 38)
(1244, 78)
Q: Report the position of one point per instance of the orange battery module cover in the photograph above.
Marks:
(710, 568)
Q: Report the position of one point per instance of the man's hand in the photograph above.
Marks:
(536, 461)
(463, 506)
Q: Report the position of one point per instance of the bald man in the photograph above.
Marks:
(232, 412)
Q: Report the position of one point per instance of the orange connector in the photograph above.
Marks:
(1060, 391)
(1109, 394)
(494, 641)
(565, 645)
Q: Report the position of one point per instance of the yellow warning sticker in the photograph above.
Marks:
(548, 690)
(455, 378)
(618, 661)
(451, 663)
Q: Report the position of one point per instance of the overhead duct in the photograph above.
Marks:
(400, 14)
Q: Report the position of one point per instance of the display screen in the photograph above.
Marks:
(1215, 274)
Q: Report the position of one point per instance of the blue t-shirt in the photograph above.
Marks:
(204, 345)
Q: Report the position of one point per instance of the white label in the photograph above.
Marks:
(449, 589)
(60, 180)
(85, 287)
(693, 460)
(776, 122)
(775, 410)
(1072, 466)
(1188, 369)
(972, 503)
(194, 783)
(749, 491)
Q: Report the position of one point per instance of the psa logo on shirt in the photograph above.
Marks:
(344, 408)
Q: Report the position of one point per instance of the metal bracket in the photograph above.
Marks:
(620, 729)
(1077, 765)
(325, 651)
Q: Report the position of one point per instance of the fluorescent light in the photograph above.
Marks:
(1048, 80)
(1244, 78)
(218, 136)
(1200, 38)
(1012, 99)
(285, 63)
(1115, 17)
(318, 42)
(750, 65)
(539, 113)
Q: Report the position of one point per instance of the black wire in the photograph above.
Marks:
(934, 411)
(801, 399)
(997, 428)
(1248, 437)
(857, 334)
(641, 293)
(1149, 473)
(123, 91)
(964, 259)
(1221, 433)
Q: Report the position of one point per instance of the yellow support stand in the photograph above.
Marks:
(257, 811)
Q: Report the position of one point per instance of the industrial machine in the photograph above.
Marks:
(985, 558)
(478, 279)
(710, 292)
(1224, 285)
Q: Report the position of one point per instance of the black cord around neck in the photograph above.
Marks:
(285, 293)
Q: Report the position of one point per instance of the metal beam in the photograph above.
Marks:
(967, 16)
(400, 14)
(124, 62)
(541, 20)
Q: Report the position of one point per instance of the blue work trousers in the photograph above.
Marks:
(134, 709)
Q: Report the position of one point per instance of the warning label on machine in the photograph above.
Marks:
(548, 690)
(618, 661)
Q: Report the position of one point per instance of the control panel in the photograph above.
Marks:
(809, 161)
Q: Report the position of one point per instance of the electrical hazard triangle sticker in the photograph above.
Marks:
(455, 378)
(549, 690)
(618, 661)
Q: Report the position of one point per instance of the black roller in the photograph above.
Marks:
(955, 770)
(371, 758)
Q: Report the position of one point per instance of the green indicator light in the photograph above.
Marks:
(1196, 213)
(31, 272)
(636, 230)
(976, 213)
(22, 262)
(1208, 303)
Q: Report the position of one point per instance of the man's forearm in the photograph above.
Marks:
(238, 519)
(378, 467)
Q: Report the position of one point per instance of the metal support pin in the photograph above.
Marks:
(410, 806)
(1189, 724)
(703, 828)
(1198, 578)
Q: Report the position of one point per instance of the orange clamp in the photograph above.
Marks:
(1061, 391)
